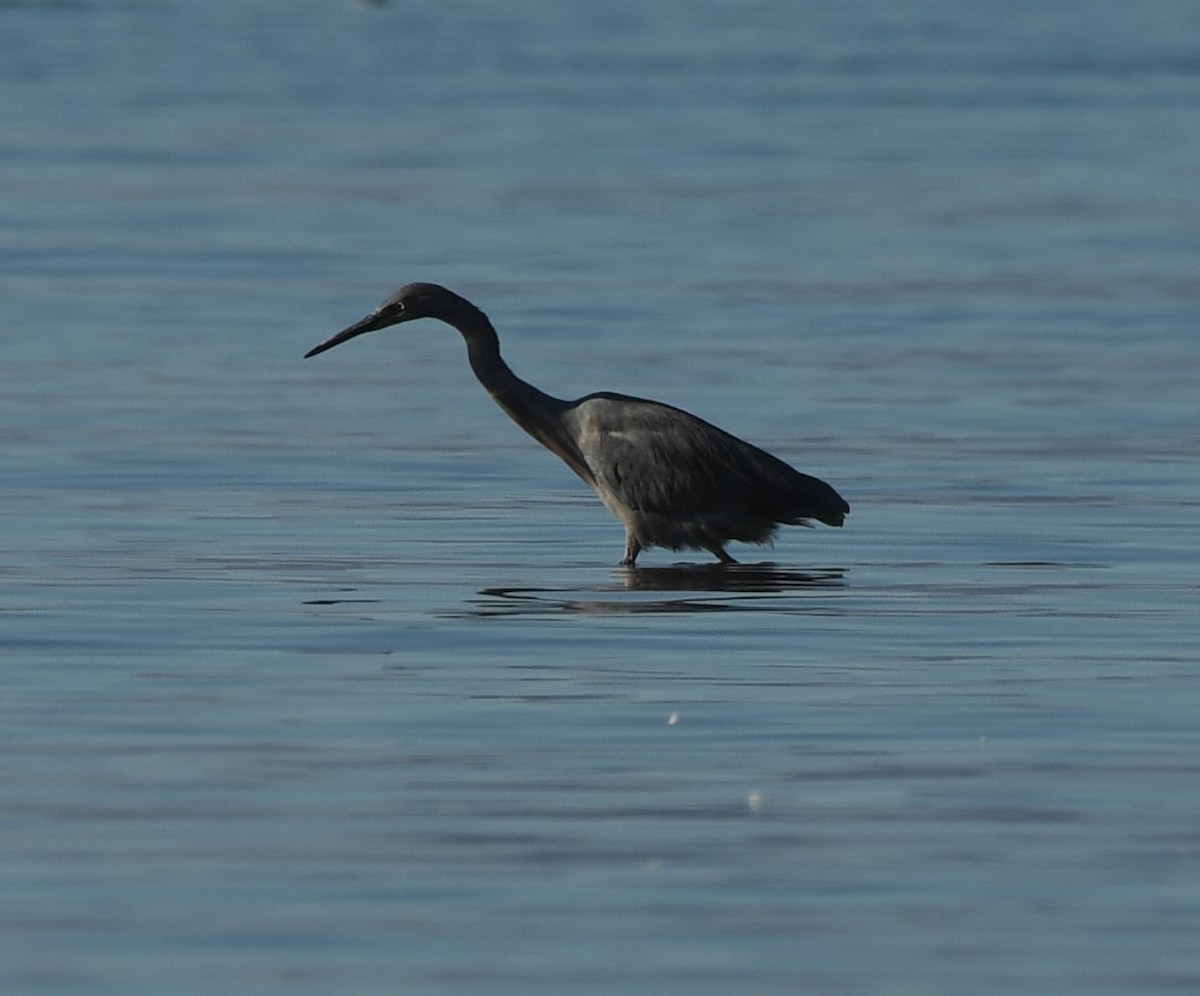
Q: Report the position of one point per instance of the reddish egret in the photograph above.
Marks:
(672, 479)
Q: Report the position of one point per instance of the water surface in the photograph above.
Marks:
(320, 676)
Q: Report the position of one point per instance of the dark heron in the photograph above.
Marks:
(672, 479)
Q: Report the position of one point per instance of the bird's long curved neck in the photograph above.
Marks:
(538, 413)
(522, 401)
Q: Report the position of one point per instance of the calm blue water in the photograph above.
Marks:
(318, 676)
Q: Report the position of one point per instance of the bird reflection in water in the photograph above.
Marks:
(704, 588)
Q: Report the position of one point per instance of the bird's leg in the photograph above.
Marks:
(632, 549)
(718, 551)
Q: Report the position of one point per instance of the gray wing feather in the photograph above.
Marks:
(663, 461)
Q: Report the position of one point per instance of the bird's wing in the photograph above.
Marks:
(661, 460)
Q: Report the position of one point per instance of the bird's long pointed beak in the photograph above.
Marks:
(371, 323)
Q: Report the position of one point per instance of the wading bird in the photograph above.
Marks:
(673, 480)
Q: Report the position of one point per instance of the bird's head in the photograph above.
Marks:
(410, 302)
